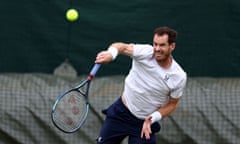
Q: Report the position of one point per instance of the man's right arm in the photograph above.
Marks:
(114, 49)
(123, 48)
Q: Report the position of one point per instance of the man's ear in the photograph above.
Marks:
(173, 45)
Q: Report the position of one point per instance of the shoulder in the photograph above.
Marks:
(178, 80)
(180, 71)
(180, 76)
(142, 50)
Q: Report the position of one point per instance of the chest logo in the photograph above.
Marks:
(166, 78)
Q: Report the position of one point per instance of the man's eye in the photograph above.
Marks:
(162, 45)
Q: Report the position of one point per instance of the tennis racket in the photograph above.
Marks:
(70, 110)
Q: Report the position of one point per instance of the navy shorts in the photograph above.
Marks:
(120, 123)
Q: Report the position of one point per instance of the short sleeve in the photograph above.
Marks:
(178, 91)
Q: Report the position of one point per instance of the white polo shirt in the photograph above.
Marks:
(148, 86)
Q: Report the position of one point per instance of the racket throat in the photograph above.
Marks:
(90, 77)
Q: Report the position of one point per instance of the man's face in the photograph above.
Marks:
(162, 49)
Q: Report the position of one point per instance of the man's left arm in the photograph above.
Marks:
(169, 108)
(159, 114)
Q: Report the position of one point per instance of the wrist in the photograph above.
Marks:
(156, 116)
(113, 51)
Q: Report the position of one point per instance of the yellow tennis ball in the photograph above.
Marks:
(72, 15)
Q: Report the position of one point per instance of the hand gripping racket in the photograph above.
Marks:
(70, 110)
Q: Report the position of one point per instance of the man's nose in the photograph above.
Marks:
(157, 48)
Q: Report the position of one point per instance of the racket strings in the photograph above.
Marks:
(70, 111)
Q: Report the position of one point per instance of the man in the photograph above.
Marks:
(151, 92)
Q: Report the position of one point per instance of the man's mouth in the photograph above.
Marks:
(158, 54)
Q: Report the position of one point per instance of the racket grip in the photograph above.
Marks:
(95, 69)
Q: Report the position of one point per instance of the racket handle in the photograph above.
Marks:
(95, 69)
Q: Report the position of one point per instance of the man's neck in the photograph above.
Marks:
(166, 63)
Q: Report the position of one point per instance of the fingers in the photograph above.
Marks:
(103, 57)
(146, 129)
(146, 132)
(100, 57)
(142, 133)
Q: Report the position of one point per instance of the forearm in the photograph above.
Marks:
(165, 110)
(113, 50)
(123, 48)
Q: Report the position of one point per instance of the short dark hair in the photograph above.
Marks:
(172, 34)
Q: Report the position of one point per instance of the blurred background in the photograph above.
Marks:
(42, 54)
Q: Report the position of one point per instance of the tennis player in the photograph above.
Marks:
(151, 92)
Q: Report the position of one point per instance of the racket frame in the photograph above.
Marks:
(85, 94)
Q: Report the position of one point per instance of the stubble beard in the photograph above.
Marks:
(162, 57)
